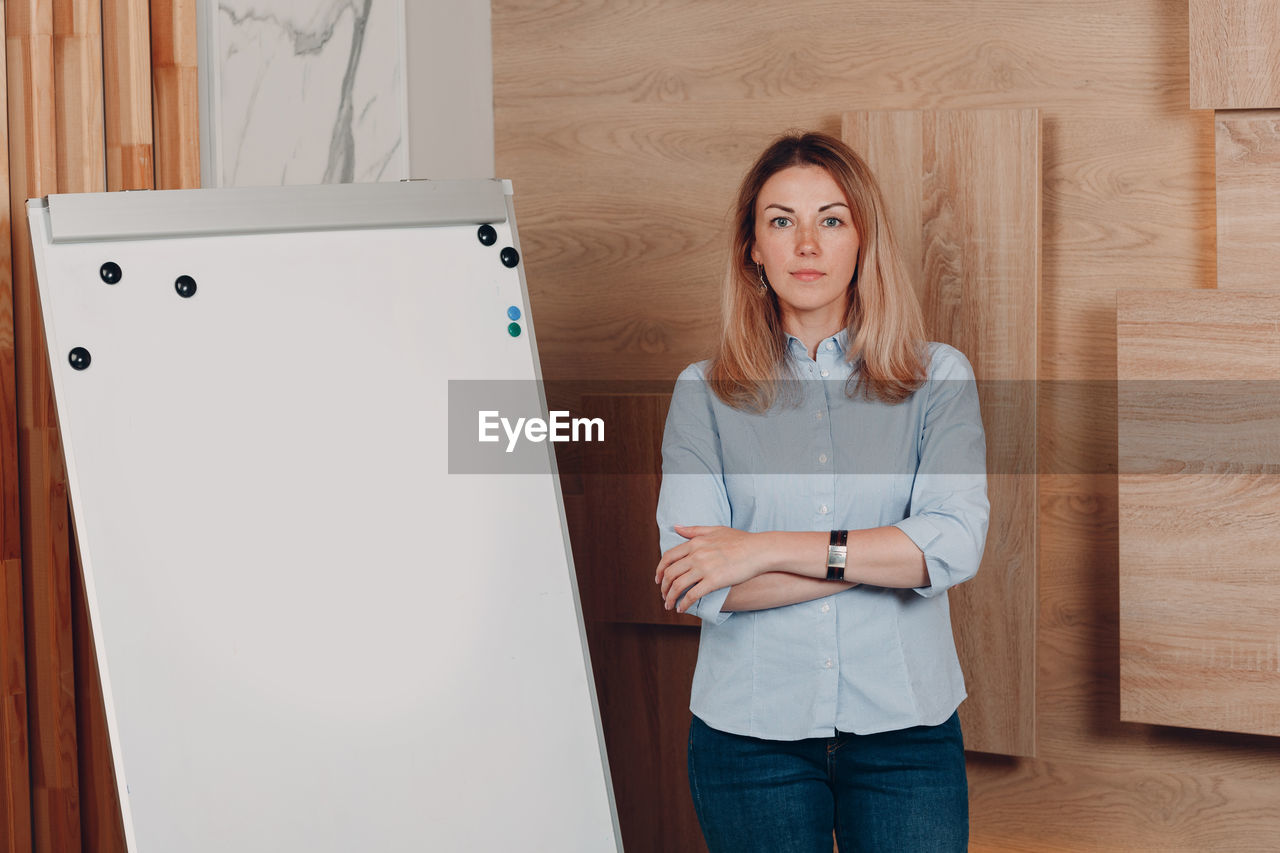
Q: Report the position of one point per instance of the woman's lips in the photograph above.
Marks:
(807, 275)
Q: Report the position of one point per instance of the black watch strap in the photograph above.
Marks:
(837, 555)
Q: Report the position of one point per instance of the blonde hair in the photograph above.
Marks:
(884, 320)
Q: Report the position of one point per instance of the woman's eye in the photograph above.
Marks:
(780, 222)
(832, 222)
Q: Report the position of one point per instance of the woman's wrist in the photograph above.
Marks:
(795, 552)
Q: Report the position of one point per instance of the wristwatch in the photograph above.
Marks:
(837, 555)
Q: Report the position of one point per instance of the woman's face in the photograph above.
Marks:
(805, 239)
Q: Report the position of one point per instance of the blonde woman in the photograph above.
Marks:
(823, 486)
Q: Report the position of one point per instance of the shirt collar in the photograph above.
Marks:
(841, 339)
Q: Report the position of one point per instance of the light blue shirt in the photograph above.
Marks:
(868, 659)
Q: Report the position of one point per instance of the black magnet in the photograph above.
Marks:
(510, 257)
(80, 357)
(185, 285)
(110, 272)
(487, 235)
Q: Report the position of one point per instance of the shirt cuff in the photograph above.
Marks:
(708, 607)
(922, 532)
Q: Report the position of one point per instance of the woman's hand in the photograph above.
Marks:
(713, 558)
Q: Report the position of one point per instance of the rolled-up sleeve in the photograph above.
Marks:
(692, 490)
(949, 510)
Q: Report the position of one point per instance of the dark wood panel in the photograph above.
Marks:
(643, 677)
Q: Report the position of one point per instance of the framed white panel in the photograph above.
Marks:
(311, 635)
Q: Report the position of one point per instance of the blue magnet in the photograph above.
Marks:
(513, 329)
(513, 312)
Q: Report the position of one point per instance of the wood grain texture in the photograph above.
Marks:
(46, 571)
(126, 71)
(1235, 54)
(1199, 509)
(15, 786)
(626, 127)
(77, 94)
(970, 230)
(620, 532)
(1247, 152)
(101, 822)
(175, 88)
(643, 676)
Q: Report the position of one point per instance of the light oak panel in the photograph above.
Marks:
(1235, 54)
(1247, 150)
(126, 68)
(970, 230)
(1199, 509)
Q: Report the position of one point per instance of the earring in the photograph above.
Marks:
(764, 282)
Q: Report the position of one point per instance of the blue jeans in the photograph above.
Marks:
(892, 791)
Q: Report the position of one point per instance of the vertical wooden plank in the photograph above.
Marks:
(175, 88)
(643, 676)
(1247, 156)
(15, 778)
(77, 101)
(126, 69)
(1235, 54)
(1199, 434)
(43, 495)
(970, 228)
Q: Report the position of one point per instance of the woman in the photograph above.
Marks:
(823, 486)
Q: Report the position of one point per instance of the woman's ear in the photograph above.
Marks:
(755, 256)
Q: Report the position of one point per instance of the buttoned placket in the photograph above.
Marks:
(818, 398)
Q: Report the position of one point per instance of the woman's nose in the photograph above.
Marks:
(806, 241)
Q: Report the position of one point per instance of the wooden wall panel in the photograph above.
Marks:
(77, 94)
(616, 574)
(1247, 151)
(970, 230)
(175, 86)
(1235, 54)
(126, 70)
(625, 129)
(643, 676)
(1199, 509)
(15, 793)
(44, 517)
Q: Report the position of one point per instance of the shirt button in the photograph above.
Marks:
(828, 664)
(822, 458)
(826, 607)
(823, 509)
(830, 346)
(826, 372)
(819, 414)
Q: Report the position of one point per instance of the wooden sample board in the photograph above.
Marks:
(969, 230)
(312, 634)
(1199, 492)
(1247, 158)
(1235, 54)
